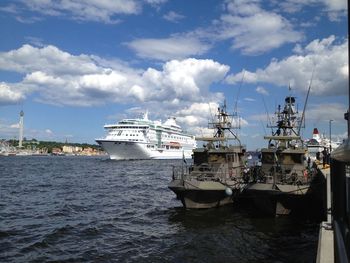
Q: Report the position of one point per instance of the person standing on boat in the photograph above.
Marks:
(318, 156)
(324, 157)
(328, 157)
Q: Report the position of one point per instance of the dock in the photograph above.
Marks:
(334, 234)
(325, 251)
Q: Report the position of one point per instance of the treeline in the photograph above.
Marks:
(49, 145)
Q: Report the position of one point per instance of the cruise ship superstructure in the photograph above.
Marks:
(318, 142)
(145, 139)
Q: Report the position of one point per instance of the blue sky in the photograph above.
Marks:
(75, 65)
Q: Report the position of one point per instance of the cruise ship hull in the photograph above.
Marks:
(128, 150)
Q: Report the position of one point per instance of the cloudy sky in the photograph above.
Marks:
(75, 65)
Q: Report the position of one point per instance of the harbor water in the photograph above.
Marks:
(91, 209)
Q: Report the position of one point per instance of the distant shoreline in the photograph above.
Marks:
(35, 147)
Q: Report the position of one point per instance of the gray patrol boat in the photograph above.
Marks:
(285, 182)
(217, 174)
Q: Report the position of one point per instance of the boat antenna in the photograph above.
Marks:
(239, 91)
(267, 113)
(262, 124)
(211, 115)
(306, 99)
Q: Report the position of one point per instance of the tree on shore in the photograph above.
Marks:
(49, 145)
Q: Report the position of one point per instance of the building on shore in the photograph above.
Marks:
(71, 149)
(78, 150)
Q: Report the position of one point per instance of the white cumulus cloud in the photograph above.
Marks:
(187, 79)
(61, 78)
(105, 11)
(326, 111)
(333, 8)
(328, 59)
(173, 17)
(30, 59)
(10, 95)
(254, 30)
(262, 90)
(199, 114)
(176, 47)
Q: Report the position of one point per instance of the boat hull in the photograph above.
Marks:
(278, 200)
(122, 150)
(201, 195)
(276, 203)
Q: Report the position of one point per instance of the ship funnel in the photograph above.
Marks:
(316, 135)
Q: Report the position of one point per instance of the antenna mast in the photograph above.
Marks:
(239, 91)
(307, 97)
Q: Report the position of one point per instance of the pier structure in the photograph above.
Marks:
(334, 235)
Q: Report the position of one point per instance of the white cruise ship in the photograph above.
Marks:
(146, 139)
(318, 142)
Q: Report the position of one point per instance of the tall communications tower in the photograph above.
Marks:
(21, 114)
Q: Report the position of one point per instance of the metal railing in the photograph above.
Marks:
(222, 175)
(273, 174)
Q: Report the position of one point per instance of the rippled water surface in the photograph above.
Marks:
(81, 209)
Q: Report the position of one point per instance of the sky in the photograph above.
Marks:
(73, 66)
